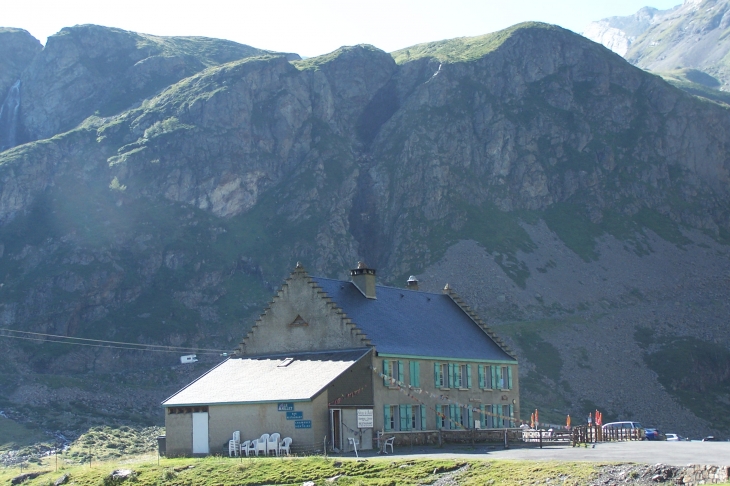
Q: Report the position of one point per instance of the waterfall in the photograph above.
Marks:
(9, 117)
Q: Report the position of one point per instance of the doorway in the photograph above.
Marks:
(336, 429)
(200, 433)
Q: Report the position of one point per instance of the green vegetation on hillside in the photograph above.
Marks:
(695, 372)
(463, 49)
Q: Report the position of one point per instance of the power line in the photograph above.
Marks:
(55, 338)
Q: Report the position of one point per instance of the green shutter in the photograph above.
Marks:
(509, 377)
(470, 417)
(386, 381)
(468, 376)
(494, 376)
(411, 371)
(439, 412)
(403, 412)
(511, 415)
(416, 377)
(482, 417)
(450, 382)
(386, 417)
(437, 375)
(423, 417)
(400, 372)
(480, 370)
(452, 415)
(500, 415)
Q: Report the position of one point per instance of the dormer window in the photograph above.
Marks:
(286, 362)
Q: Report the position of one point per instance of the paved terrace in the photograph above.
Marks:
(646, 452)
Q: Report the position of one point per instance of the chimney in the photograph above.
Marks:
(364, 279)
(412, 283)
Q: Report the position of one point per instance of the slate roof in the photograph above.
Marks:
(413, 323)
(261, 379)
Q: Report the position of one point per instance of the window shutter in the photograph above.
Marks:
(403, 412)
(409, 416)
(452, 416)
(480, 370)
(437, 375)
(500, 420)
(470, 418)
(468, 376)
(439, 420)
(386, 381)
(511, 415)
(450, 383)
(483, 417)
(400, 372)
(494, 377)
(386, 417)
(411, 371)
(509, 377)
(416, 376)
(423, 417)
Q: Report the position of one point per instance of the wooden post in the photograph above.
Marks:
(540, 438)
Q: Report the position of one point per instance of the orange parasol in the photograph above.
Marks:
(567, 422)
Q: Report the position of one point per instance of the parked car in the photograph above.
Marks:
(674, 437)
(652, 434)
(710, 438)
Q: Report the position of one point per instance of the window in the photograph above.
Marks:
(391, 417)
(495, 377)
(415, 373)
(441, 420)
(441, 375)
(393, 371)
(464, 373)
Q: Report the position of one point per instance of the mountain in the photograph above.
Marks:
(577, 202)
(687, 45)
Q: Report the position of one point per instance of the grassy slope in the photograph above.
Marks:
(295, 471)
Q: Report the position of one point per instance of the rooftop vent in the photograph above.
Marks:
(412, 283)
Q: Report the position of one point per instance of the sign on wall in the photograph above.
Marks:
(365, 418)
(286, 407)
(303, 424)
(294, 415)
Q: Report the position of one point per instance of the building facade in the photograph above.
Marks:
(397, 361)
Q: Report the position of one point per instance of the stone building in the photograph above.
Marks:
(332, 360)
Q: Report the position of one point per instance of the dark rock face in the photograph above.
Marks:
(17, 50)
(91, 69)
(170, 215)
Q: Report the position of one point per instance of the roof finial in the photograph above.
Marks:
(447, 287)
(299, 265)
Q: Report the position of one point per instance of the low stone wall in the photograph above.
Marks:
(437, 437)
(702, 474)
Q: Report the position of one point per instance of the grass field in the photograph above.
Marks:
(318, 470)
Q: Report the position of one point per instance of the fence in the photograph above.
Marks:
(588, 434)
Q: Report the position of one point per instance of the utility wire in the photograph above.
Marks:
(55, 338)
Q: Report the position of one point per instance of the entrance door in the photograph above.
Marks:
(336, 428)
(200, 433)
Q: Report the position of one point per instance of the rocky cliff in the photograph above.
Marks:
(538, 172)
(687, 44)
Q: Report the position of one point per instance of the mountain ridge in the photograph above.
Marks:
(533, 151)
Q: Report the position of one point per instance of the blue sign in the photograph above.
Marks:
(294, 415)
(303, 424)
(286, 407)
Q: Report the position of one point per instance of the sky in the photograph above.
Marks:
(313, 27)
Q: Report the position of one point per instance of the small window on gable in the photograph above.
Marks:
(286, 362)
(298, 322)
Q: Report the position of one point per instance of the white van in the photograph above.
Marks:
(623, 431)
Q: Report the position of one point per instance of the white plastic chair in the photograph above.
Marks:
(389, 443)
(261, 444)
(247, 446)
(272, 444)
(284, 445)
(234, 445)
